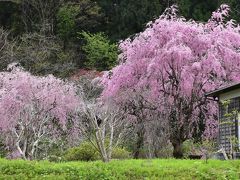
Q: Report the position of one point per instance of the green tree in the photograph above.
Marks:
(66, 26)
(199, 10)
(39, 15)
(90, 16)
(127, 17)
(10, 17)
(75, 16)
(101, 54)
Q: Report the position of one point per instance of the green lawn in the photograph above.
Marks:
(126, 169)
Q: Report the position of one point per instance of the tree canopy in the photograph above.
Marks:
(171, 65)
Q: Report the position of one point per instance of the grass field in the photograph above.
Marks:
(126, 169)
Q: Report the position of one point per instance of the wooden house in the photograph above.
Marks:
(229, 116)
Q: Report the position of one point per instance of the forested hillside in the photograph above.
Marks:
(60, 36)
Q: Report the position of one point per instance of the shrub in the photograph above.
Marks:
(190, 148)
(53, 158)
(164, 151)
(2, 149)
(204, 149)
(120, 153)
(85, 152)
(207, 148)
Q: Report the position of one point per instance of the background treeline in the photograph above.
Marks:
(60, 36)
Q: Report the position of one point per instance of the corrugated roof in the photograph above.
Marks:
(224, 89)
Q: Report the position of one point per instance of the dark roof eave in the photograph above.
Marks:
(222, 90)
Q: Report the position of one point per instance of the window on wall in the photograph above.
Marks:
(228, 124)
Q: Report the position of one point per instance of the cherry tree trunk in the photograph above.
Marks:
(101, 146)
(139, 143)
(177, 149)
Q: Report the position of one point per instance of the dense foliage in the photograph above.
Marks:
(101, 54)
(59, 22)
(118, 19)
(85, 152)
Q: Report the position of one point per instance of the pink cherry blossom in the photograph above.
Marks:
(31, 108)
(172, 64)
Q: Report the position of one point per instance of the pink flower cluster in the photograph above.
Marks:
(24, 96)
(175, 61)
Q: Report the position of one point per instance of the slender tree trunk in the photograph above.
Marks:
(110, 142)
(20, 151)
(101, 146)
(177, 149)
